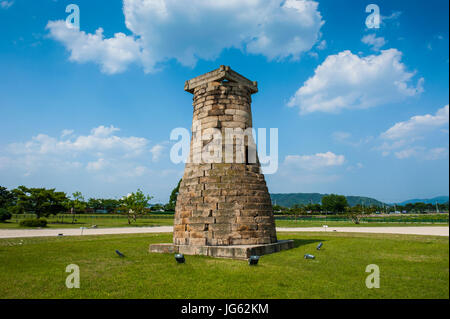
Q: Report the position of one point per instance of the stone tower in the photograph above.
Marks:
(223, 199)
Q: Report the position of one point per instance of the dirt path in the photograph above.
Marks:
(15, 233)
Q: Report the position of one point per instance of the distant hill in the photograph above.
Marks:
(438, 199)
(289, 200)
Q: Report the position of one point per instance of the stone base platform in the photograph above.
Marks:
(234, 251)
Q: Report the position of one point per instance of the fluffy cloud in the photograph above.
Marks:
(347, 81)
(100, 140)
(102, 162)
(402, 137)
(66, 132)
(170, 29)
(157, 152)
(307, 172)
(316, 161)
(101, 150)
(417, 125)
(97, 165)
(392, 18)
(375, 42)
(113, 55)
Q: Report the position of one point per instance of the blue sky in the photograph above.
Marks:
(359, 111)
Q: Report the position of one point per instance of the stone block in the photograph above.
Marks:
(233, 250)
(222, 203)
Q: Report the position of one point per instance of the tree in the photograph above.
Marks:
(77, 204)
(110, 205)
(420, 207)
(135, 204)
(157, 207)
(94, 204)
(317, 208)
(6, 197)
(355, 213)
(4, 215)
(277, 209)
(173, 197)
(40, 201)
(313, 208)
(334, 203)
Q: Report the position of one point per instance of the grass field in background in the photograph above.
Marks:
(103, 221)
(410, 267)
(316, 223)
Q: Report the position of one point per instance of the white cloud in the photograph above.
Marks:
(66, 132)
(316, 161)
(157, 152)
(313, 54)
(437, 153)
(6, 4)
(375, 42)
(97, 165)
(307, 172)
(104, 131)
(341, 136)
(422, 153)
(347, 81)
(322, 45)
(346, 138)
(409, 152)
(402, 137)
(358, 166)
(44, 150)
(170, 29)
(393, 17)
(100, 140)
(417, 125)
(113, 55)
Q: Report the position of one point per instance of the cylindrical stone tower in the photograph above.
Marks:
(223, 198)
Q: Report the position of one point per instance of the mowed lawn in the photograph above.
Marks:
(410, 267)
(99, 222)
(121, 221)
(318, 223)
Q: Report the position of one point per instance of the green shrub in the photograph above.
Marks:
(34, 223)
(4, 215)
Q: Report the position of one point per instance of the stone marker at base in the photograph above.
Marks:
(223, 206)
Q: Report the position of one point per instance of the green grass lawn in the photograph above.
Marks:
(121, 221)
(410, 266)
(318, 223)
(100, 222)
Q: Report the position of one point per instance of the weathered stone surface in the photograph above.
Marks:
(226, 201)
(234, 251)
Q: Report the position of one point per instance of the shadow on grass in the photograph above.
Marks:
(303, 242)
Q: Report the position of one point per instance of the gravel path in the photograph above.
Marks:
(14, 233)
(405, 230)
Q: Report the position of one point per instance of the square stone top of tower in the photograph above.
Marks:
(220, 74)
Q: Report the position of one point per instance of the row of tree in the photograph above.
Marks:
(337, 204)
(44, 202)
